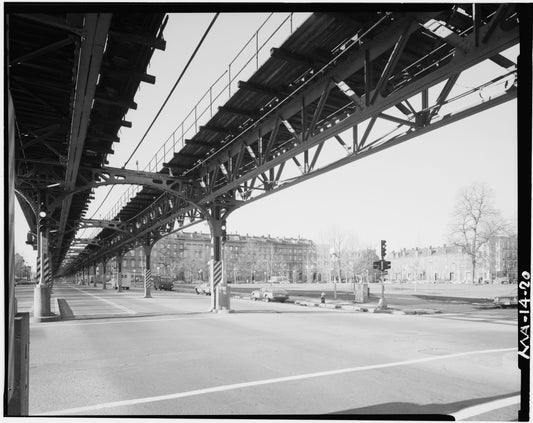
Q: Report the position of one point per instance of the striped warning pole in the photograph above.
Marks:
(46, 270)
(217, 272)
(148, 272)
(216, 279)
(148, 280)
(38, 268)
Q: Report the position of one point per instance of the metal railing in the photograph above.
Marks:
(241, 66)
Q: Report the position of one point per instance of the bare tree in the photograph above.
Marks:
(474, 222)
(342, 246)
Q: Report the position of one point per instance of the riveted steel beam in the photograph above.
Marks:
(145, 40)
(91, 51)
(42, 51)
(107, 224)
(272, 160)
(462, 60)
(342, 71)
(179, 186)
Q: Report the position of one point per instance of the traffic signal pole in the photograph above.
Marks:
(383, 264)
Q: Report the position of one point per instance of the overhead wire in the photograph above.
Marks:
(175, 85)
(163, 105)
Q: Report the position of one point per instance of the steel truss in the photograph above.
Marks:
(285, 147)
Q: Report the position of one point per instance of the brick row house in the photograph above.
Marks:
(185, 256)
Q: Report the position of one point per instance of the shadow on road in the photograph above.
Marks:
(412, 411)
(130, 316)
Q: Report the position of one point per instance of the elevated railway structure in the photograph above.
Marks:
(334, 80)
(72, 77)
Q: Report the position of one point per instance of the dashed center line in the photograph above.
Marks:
(126, 309)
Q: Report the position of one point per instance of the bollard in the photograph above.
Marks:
(41, 301)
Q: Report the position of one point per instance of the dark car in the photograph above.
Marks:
(161, 282)
(504, 301)
(269, 294)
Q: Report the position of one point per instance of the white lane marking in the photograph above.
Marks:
(126, 309)
(476, 410)
(266, 382)
(128, 321)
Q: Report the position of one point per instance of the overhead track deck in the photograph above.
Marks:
(72, 77)
(336, 72)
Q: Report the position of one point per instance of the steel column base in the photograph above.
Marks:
(41, 301)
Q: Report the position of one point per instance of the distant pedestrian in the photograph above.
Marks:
(323, 298)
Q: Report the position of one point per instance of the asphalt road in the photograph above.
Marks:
(167, 356)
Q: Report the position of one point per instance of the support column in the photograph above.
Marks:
(147, 248)
(119, 258)
(220, 295)
(95, 266)
(41, 295)
(104, 275)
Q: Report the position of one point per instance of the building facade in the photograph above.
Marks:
(504, 258)
(452, 264)
(432, 264)
(185, 256)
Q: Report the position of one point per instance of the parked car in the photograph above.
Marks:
(162, 282)
(203, 289)
(506, 301)
(269, 294)
(278, 279)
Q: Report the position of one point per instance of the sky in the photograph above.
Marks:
(404, 194)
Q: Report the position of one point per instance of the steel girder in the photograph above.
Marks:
(94, 178)
(170, 212)
(252, 165)
(313, 135)
(91, 52)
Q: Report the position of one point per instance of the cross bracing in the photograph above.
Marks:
(334, 82)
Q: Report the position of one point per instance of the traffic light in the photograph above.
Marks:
(383, 248)
(223, 235)
(376, 265)
(386, 265)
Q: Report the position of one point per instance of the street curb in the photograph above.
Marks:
(357, 308)
(382, 310)
(65, 312)
(421, 311)
(333, 306)
(44, 319)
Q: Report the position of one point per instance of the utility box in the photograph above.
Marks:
(362, 292)
(223, 298)
(18, 405)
